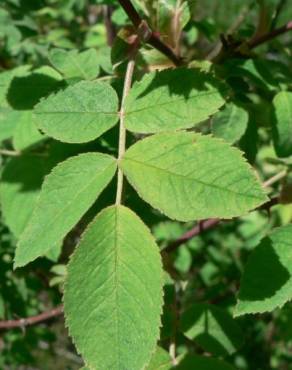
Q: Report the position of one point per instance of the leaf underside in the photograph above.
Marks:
(73, 64)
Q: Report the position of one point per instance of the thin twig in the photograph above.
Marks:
(146, 34)
(234, 26)
(131, 12)
(9, 153)
(279, 176)
(32, 320)
(109, 26)
(235, 49)
(122, 134)
(195, 231)
(270, 35)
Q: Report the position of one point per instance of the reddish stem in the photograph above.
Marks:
(21, 323)
(269, 36)
(149, 36)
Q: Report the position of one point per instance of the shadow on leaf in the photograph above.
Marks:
(25, 92)
(183, 81)
(264, 274)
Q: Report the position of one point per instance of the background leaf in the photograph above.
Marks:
(74, 64)
(191, 362)
(282, 133)
(20, 186)
(230, 123)
(212, 328)
(267, 279)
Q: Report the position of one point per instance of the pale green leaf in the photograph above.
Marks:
(25, 133)
(282, 133)
(230, 123)
(172, 99)
(161, 360)
(113, 292)
(78, 114)
(73, 64)
(267, 278)
(67, 193)
(194, 362)
(188, 176)
(212, 328)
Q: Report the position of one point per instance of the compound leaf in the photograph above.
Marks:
(188, 176)
(267, 279)
(113, 292)
(67, 193)
(172, 99)
(212, 328)
(73, 64)
(282, 133)
(78, 114)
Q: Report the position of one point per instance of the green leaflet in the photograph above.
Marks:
(194, 362)
(113, 292)
(73, 64)
(67, 193)
(212, 328)
(282, 132)
(172, 99)
(188, 176)
(78, 114)
(267, 279)
(230, 123)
